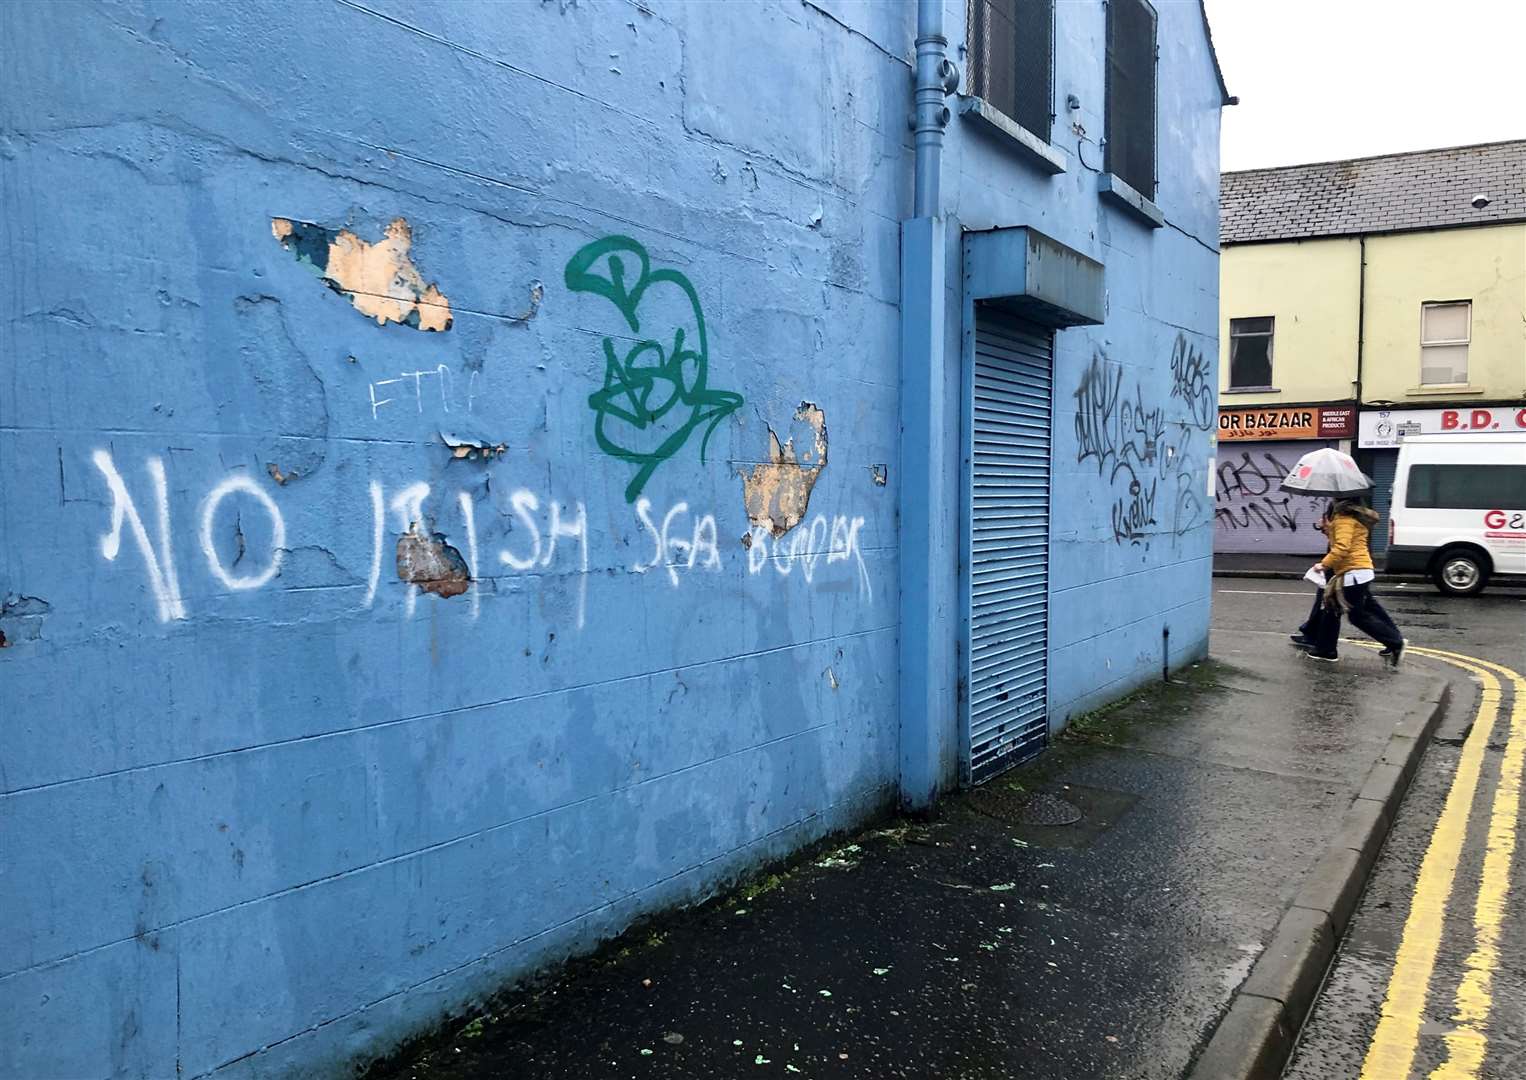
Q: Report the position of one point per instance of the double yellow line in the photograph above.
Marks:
(1391, 1053)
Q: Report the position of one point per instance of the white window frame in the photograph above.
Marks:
(1466, 341)
(1271, 353)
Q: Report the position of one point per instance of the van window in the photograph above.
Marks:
(1466, 487)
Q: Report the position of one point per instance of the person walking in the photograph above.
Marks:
(1349, 569)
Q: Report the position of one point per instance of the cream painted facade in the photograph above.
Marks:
(1486, 266)
(1311, 289)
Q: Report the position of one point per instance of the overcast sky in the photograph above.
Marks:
(1326, 79)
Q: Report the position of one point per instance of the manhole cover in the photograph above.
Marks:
(1042, 808)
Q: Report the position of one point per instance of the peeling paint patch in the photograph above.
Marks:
(426, 560)
(378, 279)
(879, 474)
(537, 294)
(778, 492)
(471, 448)
(23, 616)
(832, 678)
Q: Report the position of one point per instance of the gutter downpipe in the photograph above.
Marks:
(927, 678)
(1361, 313)
(936, 78)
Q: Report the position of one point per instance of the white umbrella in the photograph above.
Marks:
(1326, 472)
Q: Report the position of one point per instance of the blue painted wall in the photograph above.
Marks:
(265, 805)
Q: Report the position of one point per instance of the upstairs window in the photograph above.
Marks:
(1129, 153)
(1250, 353)
(1445, 330)
(1012, 59)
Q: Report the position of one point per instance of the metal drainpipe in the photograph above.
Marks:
(937, 77)
(1361, 314)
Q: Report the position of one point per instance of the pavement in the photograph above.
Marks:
(1431, 976)
(1223, 825)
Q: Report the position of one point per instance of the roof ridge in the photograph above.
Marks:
(1376, 157)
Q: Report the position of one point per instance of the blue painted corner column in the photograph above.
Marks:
(928, 525)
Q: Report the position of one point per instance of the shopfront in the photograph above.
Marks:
(1257, 449)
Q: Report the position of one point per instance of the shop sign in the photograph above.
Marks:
(1380, 428)
(1310, 422)
(1337, 423)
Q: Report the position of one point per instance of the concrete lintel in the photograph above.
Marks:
(1034, 276)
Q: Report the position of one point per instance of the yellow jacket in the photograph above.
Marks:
(1348, 532)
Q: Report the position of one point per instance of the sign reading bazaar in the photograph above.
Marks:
(1303, 422)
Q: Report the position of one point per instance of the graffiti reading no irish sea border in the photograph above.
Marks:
(656, 391)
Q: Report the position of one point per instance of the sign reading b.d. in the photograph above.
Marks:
(1388, 427)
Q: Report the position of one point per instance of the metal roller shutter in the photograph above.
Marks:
(1251, 513)
(1007, 710)
(1381, 465)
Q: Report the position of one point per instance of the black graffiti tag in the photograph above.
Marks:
(1191, 381)
(1131, 443)
(1247, 495)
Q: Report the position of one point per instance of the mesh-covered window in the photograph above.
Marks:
(1130, 152)
(1012, 59)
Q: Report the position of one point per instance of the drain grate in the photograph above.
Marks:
(1041, 808)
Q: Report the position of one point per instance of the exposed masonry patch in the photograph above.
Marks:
(378, 279)
(426, 560)
(879, 474)
(471, 448)
(778, 492)
(23, 616)
(277, 475)
(537, 294)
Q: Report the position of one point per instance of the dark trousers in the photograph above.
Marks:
(1310, 627)
(1366, 614)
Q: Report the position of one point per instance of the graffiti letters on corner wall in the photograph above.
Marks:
(544, 539)
(655, 396)
(1150, 459)
(656, 389)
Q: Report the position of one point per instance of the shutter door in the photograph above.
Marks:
(1008, 701)
(1252, 515)
(1381, 466)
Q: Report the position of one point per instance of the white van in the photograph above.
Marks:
(1459, 510)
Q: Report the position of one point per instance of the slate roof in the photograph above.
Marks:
(1424, 189)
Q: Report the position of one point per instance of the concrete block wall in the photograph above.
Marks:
(322, 728)
(356, 664)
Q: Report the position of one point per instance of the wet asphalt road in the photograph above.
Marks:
(1431, 978)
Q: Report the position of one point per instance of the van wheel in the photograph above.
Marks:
(1460, 572)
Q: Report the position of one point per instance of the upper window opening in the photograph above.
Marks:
(1445, 330)
(1129, 152)
(1012, 59)
(1250, 353)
